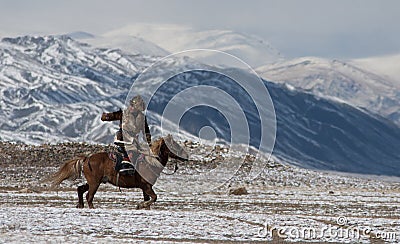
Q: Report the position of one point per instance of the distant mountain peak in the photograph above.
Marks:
(77, 35)
(176, 38)
(339, 79)
(35, 40)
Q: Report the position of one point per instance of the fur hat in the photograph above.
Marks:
(137, 102)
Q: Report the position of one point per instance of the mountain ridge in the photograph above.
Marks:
(177, 38)
(340, 80)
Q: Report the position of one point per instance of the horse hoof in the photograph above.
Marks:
(142, 206)
(79, 206)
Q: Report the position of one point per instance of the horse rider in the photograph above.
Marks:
(133, 126)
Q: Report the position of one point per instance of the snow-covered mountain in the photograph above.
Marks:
(80, 35)
(54, 89)
(312, 131)
(387, 66)
(339, 80)
(127, 43)
(177, 38)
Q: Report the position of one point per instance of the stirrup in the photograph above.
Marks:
(126, 162)
(124, 170)
(127, 170)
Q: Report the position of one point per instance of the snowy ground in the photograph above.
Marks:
(283, 203)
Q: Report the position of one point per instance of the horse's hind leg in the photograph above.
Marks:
(90, 195)
(81, 189)
(147, 190)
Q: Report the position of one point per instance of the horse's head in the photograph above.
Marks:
(117, 115)
(168, 147)
(175, 150)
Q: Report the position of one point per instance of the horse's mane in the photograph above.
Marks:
(156, 146)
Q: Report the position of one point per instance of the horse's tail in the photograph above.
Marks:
(72, 169)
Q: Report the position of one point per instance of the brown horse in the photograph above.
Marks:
(99, 168)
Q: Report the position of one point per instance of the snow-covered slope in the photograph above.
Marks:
(127, 43)
(339, 80)
(176, 38)
(387, 66)
(54, 89)
(80, 35)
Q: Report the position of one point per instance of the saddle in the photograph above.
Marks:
(123, 165)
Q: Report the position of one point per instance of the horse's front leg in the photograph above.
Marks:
(147, 190)
(145, 196)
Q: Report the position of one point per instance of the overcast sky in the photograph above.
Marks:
(335, 28)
